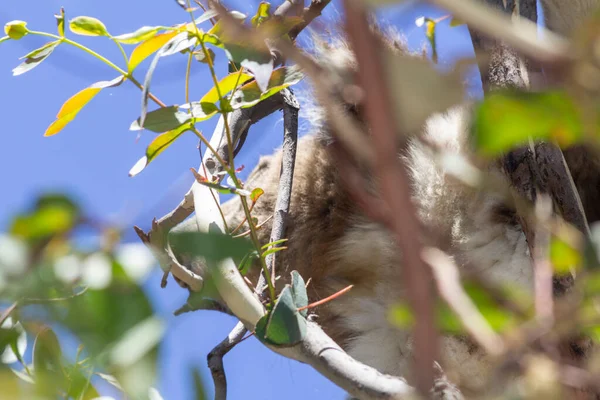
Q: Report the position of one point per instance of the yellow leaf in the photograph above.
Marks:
(225, 85)
(145, 49)
(60, 123)
(75, 103)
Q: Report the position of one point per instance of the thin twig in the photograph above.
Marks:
(215, 359)
(7, 312)
(313, 11)
(395, 189)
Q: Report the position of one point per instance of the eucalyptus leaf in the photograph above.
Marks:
(75, 104)
(60, 22)
(162, 120)
(505, 119)
(211, 246)
(34, 58)
(157, 146)
(250, 93)
(142, 34)
(148, 47)
(284, 325)
(47, 363)
(299, 292)
(172, 46)
(88, 26)
(225, 85)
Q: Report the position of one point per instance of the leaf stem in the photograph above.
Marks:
(122, 50)
(103, 59)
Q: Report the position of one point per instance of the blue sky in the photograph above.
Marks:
(91, 157)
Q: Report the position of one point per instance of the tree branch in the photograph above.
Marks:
(286, 178)
(395, 190)
(215, 359)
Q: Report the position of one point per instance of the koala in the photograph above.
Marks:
(335, 244)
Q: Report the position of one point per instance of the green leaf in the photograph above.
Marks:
(80, 386)
(76, 103)
(137, 341)
(263, 13)
(211, 246)
(157, 146)
(53, 215)
(101, 318)
(226, 85)
(162, 119)
(47, 363)
(256, 193)
(564, 258)
(16, 29)
(272, 251)
(299, 292)
(140, 35)
(8, 338)
(145, 49)
(509, 118)
(274, 243)
(34, 58)
(247, 262)
(499, 319)
(284, 326)
(60, 22)
(201, 111)
(88, 26)
(250, 94)
(175, 44)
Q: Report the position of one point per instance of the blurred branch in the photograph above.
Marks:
(394, 189)
(313, 11)
(447, 280)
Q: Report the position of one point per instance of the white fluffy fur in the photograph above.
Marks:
(496, 249)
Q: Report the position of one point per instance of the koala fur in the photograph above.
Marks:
(333, 243)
